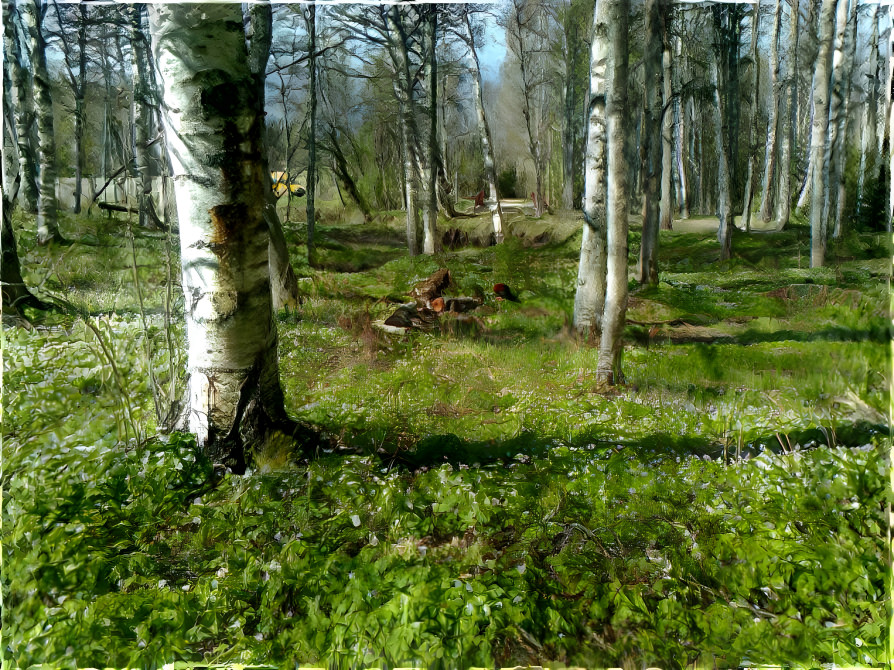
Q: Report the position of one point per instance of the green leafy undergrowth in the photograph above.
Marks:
(140, 556)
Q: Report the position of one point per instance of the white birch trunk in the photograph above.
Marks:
(818, 163)
(868, 156)
(752, 137)
(608, 369)
(842, 124)
(213, 128)
(430, 211)
(402, 84)
(666, 207)
(724, 206)
(777, 90)
(47, 216)
(21, 92)
(784, 189)
(589, 298)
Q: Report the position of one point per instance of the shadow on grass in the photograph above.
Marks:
(526, 447)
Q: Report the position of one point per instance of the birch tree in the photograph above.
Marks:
(818, 162)
(665, 209)
(777, 91)
(719, 74)
(589, 297)
(213, 126)
(15, 294)
(19, 78)
(656, 110)
(784, 189)
(47, 217)
(310, 20)
(608, 369)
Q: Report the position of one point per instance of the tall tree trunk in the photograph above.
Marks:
(15, 295)
(141, 117)
(651, 144)
(213, 126)
(818, 162)
(838, 176)
(283, 283)
(666, 207)
(784, 189)
(868, 154)
(777, 91)
(724, 205)
(80, 94)
(403, 91)
(680, 146)
(310, 19)
(589, 298)
(608, 368)
(430, 211)
(47, 222)
(753, 129)
(21, 92)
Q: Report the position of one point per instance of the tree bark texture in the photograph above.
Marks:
(589, 298)
(651, 146)
(47, 218)
(213, 125)
(724, 205)
(842, 121)
(310, 19)
(818, 161)
(777, 92)
(430, 211)
(666, 207)
(784, 188)
(21, 92)
(752, 129)
(608, 368)
(283, 283)
(403, 91)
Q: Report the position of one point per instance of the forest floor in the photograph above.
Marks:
(492, 505)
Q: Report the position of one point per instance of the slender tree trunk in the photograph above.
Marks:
(141, 114)
(47, 225)
(608, 369)
(402, 84)
(868, 157)
(283, 283)
(753, 129)
(724, 206)
(680, 152)
(214, 126)
(666, 207)
(490, 171)
(650, 146)
(589, 299)
(784, 189)
(777, 91)
(21, 92)
(838, 178)
(15, 295)
(430, 212)
(818, 162)
(80, 92)
(310, 18)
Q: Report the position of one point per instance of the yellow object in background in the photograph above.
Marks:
(281, 184)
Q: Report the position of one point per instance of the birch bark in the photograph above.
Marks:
(213, 126)
(608, 369)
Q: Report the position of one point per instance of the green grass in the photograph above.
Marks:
(493, 507)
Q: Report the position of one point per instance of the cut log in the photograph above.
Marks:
(429, 289)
